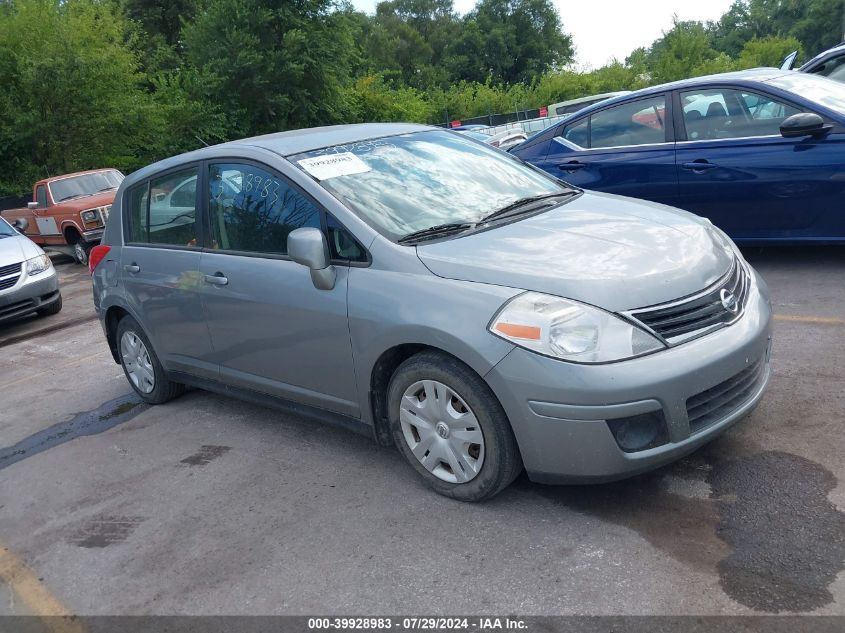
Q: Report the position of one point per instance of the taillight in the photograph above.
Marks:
(96, 256)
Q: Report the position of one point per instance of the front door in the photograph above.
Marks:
(737, 170)
(271, 329)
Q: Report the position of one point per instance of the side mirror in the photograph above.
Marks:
(20, 225)
(804, 124)
(31, 205)
(308, 246)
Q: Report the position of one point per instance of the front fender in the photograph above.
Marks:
(388, 309)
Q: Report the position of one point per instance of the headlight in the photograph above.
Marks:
(38, 265)
(569, 330)
(90, 216)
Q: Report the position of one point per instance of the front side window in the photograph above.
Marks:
(164, 210)
(725, 113)
(410, 182)
(41, 196)
(253, 210)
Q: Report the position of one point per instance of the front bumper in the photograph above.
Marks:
(94, 235)
(559, 410)
(29, 294)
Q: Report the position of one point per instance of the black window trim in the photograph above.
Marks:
(296, 187)
(200, 212)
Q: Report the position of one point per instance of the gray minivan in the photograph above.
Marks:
(434, 293)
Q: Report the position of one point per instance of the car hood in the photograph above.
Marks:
(613, 252)
(17, 248)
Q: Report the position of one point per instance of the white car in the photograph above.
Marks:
(28, 281)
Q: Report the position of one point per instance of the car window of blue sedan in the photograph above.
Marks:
(640, 122)
(723, 113)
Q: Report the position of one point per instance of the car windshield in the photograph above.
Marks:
(825, 92)
(6, 229)
(85, 184)
(407, 183)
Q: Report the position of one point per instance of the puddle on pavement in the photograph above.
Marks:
(787, 538)
(106, 416)
(205, 455)
(762, 521)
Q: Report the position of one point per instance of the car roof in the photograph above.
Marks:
(288, 143)
(309, 139)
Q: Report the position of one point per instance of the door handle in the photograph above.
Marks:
(132, 268)
(699, 165)
(571, 166)
(217, 279)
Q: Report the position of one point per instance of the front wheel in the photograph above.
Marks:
(53, 308)
(451, 428)
(141, 365)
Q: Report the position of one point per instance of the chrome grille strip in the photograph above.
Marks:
(698, 314)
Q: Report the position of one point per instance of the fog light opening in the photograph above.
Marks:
(639, 432)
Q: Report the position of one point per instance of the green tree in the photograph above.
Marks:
(680, 53)
(767, 51)
(511, 41)
(271, 64)
(72, 94)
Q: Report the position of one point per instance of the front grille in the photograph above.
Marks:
(700, 313)
(712, 405)
(9, 275)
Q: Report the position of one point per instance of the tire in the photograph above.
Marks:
(53, 308)
(485, 468)
(81, 250)
(141, 362)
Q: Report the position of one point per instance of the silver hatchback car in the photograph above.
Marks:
(436, 294)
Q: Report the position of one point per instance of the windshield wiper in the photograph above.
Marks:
(516, 204)
(75, 195)
(433, 232)
(105, 189)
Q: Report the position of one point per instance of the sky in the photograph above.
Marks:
(603, 29)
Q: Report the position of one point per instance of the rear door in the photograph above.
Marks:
(626, 149)
(736, 169)
(160, 272)
(272, 330)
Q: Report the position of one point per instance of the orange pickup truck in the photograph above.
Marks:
(68, 213)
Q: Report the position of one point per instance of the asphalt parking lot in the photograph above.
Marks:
(212, 506)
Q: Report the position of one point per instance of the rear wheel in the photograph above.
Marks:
(141, 365)
(451, 428)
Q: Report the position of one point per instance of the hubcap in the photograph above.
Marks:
(137, 363)
(442, 431)
(81, 255)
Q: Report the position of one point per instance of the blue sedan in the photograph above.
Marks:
(761, 153)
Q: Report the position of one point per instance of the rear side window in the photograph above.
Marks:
(641, 122)
(253, 210)
(638, 123)
(164, 210)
